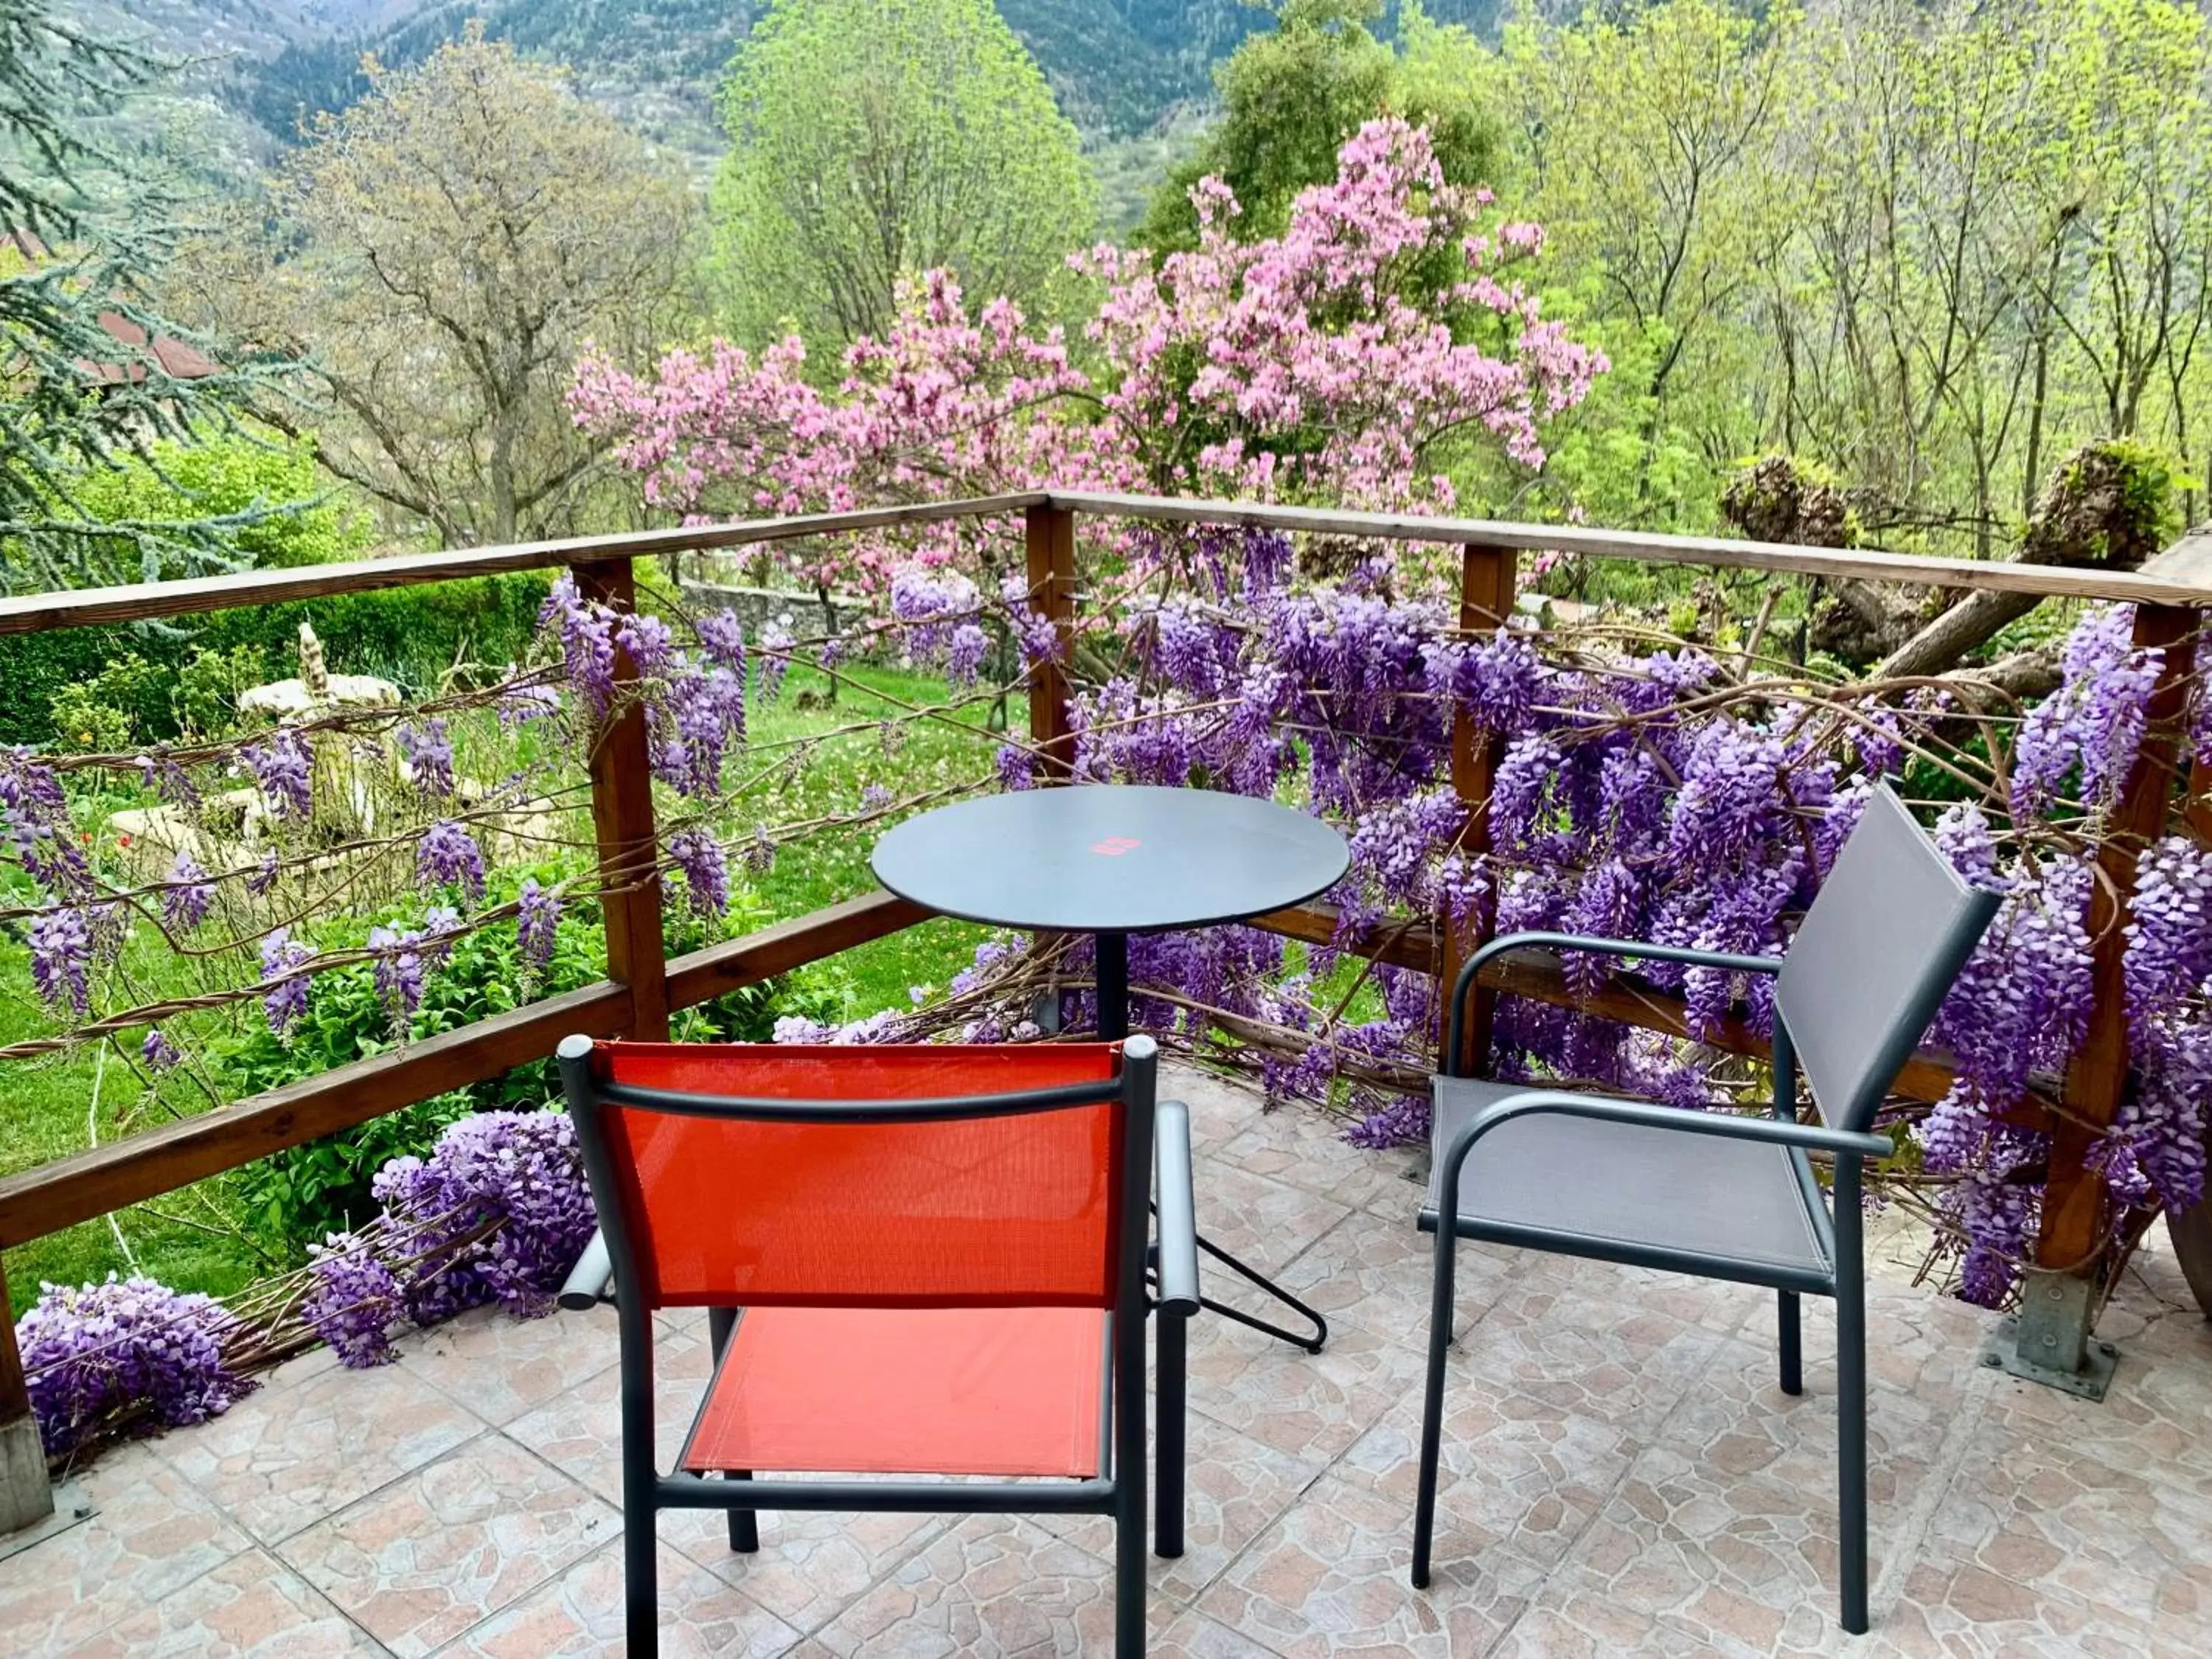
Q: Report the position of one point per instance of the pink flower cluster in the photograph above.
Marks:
(1338, 362)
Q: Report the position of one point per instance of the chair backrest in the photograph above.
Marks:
(1887, 934)
(869, 1175)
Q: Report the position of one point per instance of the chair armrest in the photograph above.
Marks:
(1726, 1126)
(1508, 943)
(591, 1281)
(1177, 1204)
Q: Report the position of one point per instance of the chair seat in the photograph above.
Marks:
(995, 1391)
(1614, 1189)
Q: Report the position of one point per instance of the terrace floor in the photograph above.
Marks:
(1621, 1476)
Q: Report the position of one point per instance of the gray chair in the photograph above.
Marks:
(1714, 1194)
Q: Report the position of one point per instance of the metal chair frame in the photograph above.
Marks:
(1156, 1143)
(1846, 1137)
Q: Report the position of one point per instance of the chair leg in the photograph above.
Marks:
(1129, 1576)
(1432, 1407)
(641, 1584)
(1851, 1453)
(1792, 1347)
(744, 1527)
(1173, 1338)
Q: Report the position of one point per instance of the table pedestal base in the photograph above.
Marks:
(1113, 975)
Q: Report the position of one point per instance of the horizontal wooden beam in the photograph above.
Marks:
(2188, 585)
(1317, 924)
(37, 1202)
(32, 613)
(705, 975)
(1537, 975)
(2180, 577)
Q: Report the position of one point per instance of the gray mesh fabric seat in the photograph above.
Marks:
(1713, 1192)
(1624, 1186)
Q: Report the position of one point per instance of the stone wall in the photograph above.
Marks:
(757, 607)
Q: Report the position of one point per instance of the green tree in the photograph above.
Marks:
(1644, 140)
(438, 255)
(1291, 97)
(872, 139)
(95, 377)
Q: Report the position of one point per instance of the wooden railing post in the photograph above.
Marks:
(26, 1497)
(1485, 600)
(622, 818)
(2059, 1300)
(1049, 533)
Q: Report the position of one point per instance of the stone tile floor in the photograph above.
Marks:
(1621, 1476)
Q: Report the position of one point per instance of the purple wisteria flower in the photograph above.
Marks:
(96, 1356)
(518, 705)
(701, 715)
(159, 1053)
(34, 819)
(519, 1173)
(1015, 766)
(428, 749)
(698, 855)
(538, 921)
(646, 640)
(448, 856)
(61, 959)
(586, 632)
(286, 999)
(2170, 930)
(160, 773)
(1040, 641)
(722, 637)
(774, 657)
(284, 769)
(403, 958)
(759, 851)
(189, 895)
(2094, 722)
(264, 873)
(965, 652)
(353, 1301)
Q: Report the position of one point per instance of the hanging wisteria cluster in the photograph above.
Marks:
(1644, 790)
(498, 1214)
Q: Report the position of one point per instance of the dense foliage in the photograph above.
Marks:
(96, 377)
(870, 139)
(1291, 97)
(1383, 344)
(1930, 247)
(435, 256)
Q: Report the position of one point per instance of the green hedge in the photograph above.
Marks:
(409, 634)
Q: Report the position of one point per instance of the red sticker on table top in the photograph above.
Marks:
(1114, 846)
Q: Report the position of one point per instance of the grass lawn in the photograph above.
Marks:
(808, 767)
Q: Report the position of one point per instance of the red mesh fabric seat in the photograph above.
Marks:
(1002, 1391)
(976, 1212)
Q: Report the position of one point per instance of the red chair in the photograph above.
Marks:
(939, 1253)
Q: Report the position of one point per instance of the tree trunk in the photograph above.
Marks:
(1965, 626)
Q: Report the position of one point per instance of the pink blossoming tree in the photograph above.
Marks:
(1380, 340)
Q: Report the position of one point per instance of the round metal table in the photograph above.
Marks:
(1110, 861)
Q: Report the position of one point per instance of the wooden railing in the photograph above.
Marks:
(643, 986)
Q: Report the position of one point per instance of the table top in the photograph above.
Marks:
(1109, 859)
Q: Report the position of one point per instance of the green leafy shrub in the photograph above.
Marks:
(289, 516)
(99, 714)
(410, 635)
(204, 699)
(293, 1198)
